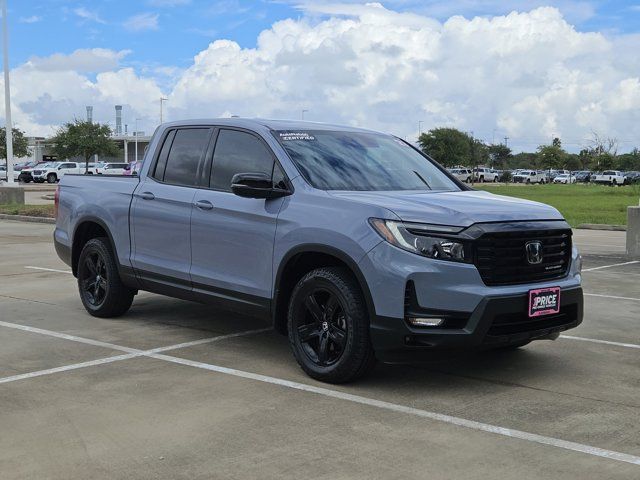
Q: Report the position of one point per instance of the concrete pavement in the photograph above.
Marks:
(240, 407)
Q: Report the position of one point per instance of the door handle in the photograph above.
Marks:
(204, 204)
(147, 196)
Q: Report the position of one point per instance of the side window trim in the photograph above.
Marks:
(169, 136)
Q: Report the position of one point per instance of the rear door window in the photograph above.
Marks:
(185, 154)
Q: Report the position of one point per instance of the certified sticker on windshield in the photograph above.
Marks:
(289, 136)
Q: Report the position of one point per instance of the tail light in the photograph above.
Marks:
(56, 201)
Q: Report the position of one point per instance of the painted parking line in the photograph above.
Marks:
(66, 368)
(614, 297)
(371, 402)
(604, 342)
(98, 343)
(610, 266)
(133, 353)
(48, 269)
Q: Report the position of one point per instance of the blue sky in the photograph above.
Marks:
(529, 70)
(171, 32)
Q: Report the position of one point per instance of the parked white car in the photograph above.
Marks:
(112, 169)
(609, 177)
(565, 178)
(54, 171)
(462, 174)
(529, 176)
(483, 174)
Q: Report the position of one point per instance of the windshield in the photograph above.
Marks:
(338, 160)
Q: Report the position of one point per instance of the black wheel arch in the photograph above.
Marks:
(87, 228)
(300, 260)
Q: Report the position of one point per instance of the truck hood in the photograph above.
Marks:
(454, 208)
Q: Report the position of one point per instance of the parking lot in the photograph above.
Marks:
(176, 390)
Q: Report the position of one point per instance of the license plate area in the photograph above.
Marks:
(544, 301)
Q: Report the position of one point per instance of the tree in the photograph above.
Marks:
(605, 161)
(551, 156)
(585, 158)
(20, 144)
(629, 161)
(572, 162)
(447, 146)
(500, 154)
(83, 139)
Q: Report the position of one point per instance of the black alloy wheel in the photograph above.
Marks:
(94, 280)
(328, 326)
(322, 330)
(101, 289)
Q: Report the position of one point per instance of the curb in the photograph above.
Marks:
(26, 218)
(602, 226)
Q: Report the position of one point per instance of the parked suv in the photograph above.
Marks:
(529, 176)
(54, 171)
(112, 168)
(353, 243)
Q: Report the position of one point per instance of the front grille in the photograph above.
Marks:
(37, 172)
(501, 256)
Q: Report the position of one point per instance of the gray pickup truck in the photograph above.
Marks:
(353, 243)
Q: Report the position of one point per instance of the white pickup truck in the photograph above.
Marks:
(54, 171)
(609, 177)
(529, 176)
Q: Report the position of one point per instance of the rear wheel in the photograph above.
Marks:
(102, 292)
(328, 326)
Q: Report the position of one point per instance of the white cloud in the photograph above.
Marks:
(141, 22)
(81, 60)
(88, 15)
(31, 19)
(527, 75)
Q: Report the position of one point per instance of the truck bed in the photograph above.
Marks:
(105, 199)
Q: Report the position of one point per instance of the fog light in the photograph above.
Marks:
(425, 322)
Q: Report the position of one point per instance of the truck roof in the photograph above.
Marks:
(252, 123)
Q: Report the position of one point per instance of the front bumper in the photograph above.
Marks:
(497, 321)
(482, 316)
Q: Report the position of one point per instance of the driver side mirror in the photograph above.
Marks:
(255, 185)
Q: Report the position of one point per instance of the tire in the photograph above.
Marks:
(495, 179)
(481, 179)
(328, 326)
(52, 178)
(101, 290)
(528, 181)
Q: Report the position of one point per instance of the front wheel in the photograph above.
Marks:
(328, 326)
(51, 178)
(102, 292)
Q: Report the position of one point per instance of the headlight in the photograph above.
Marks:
(426, 240)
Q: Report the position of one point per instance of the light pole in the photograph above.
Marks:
(420, 122)
(162, 99)
(136, 135)
(302, 114)
(7, 96)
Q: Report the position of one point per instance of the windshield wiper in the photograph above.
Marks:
(423, 180)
